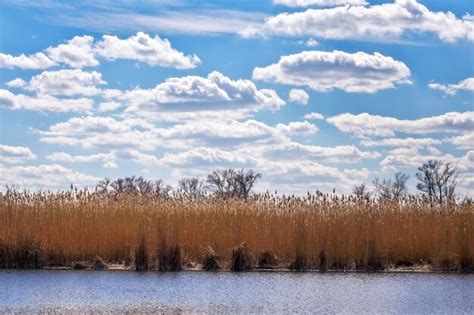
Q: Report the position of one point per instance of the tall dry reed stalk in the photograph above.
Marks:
(150, 232)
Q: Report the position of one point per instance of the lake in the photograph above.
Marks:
(34, 291)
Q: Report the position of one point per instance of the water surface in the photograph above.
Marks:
(226, 292)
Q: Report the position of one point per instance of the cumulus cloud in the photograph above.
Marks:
(325, 71)
(465, 141)
(16, 83)
(401, 142)
(322, 3)
(363, 125)
(381, 22)
(313, 115)
(66, 82)
(298, 96)
(14, 154)
(35, 61)
(453, 89)
(43, 103)
(412, 157)
(77, 52)
(153, 51)
(82, 51)
(44, 176)
(215, 92)
(100, 132)
(108, 159)
(297, 151)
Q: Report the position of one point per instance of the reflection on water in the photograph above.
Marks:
(225, 292)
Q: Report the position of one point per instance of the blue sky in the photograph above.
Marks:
(314, 94)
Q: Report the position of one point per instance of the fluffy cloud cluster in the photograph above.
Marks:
(81, 51)
(35, 61)
(387, 21)
(363, 125)
(66, 82)
(298, 96)
(141, 47)
(452, 89)
(322, 3)
(96, 132)
(216, 92)
(44, 176)
(43, 103)
(325, 71)
(13, 154)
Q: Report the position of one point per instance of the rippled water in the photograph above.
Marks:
(225, 292)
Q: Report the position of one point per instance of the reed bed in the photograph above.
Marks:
(148, 232)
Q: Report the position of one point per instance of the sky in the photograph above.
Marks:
(312, 94)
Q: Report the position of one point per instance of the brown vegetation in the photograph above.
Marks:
(153, 231)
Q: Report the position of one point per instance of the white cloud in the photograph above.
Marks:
(312, 115)
(44, 176)
(411, 157)
(322, 3)
(81, 51)
(312, 42)
(152, 51)
(300, 152)
(35, 61)
(14, 154)
(16, 83)
(298, 96)
(107, 132)
(109, 106)
(365, 124)
(108, 159)
(465, 141)
(43, 103)
(387, 21)
(297, 128)
(325, 71)
(401, 142)
(77, 52)
(66, 82)
(452, 89)
(213, 93)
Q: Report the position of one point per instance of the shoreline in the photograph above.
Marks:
(424, 269)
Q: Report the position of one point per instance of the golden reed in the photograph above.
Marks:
(319, 231)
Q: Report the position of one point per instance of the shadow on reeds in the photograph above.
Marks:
(242, 258)
(268, 260)
(141, 256)
(27, 254)
(210, 260)
(170, 258)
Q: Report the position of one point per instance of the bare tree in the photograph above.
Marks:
(399, 187)
(437, 180)
(246, 181)
(192, 188)
(389, 190)
(161, 189)
(230, 183)
(361, 190)
(103, 185)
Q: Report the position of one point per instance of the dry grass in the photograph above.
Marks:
(312, 232)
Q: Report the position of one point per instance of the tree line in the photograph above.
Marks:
(437, 181)
(225, 183)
